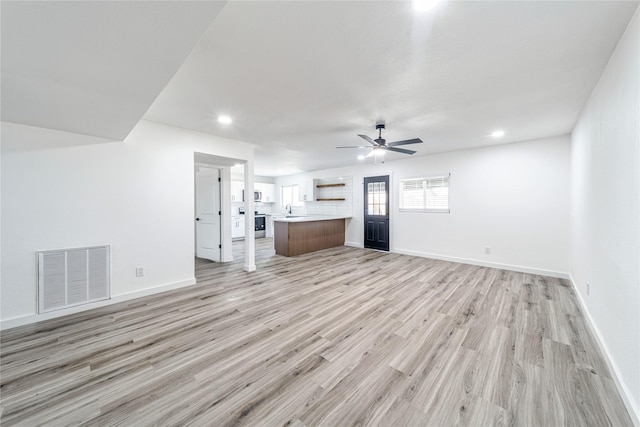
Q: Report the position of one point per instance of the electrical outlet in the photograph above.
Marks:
(487, 250)
(139, 271)
(588, 288)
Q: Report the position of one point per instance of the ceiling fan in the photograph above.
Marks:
(379, 145)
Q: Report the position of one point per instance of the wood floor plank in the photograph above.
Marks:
(343, 336)
(475, 411)
(450, 393)
(527, 397)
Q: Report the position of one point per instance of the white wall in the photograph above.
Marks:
(136, 195)
(605, 212)
(513, 198)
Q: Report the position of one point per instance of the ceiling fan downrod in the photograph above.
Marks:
(379, 126)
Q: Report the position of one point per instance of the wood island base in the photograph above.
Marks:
(297, 238)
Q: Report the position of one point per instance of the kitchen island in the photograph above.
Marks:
(298, 235)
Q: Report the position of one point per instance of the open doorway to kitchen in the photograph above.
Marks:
(211, 208)
(213, 196)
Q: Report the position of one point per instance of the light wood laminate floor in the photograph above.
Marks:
(344, 336)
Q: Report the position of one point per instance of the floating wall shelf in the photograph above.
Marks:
(330, 185)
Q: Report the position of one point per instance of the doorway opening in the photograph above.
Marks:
(376, 212)
(213, 196)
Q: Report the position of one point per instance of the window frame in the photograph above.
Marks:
(294, 202)
(423, 208)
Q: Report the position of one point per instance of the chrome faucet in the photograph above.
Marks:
(288, 209)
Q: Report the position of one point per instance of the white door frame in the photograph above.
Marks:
(223, 164)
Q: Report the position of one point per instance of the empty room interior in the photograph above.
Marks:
(306, 213)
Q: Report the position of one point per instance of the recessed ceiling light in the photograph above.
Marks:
(424, 5)
(497, 133)
(225, 120)
(361, 157)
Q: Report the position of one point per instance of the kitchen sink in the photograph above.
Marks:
(294, 216)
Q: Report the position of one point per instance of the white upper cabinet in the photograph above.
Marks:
(268, 192)
(305, 190)
(236, 191)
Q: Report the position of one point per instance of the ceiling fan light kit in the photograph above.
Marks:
(379, 145)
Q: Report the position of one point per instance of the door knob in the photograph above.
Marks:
(197, 219)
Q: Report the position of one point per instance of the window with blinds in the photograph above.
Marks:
(425, 194)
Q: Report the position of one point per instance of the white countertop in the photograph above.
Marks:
(309, 218)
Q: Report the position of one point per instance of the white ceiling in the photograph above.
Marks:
(93, 67)
(300, 78)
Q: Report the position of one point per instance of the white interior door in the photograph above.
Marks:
(208, 214)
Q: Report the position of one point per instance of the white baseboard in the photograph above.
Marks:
(33, 318)
(519, 268)
(510, 267)
(632, 407)
(354, 244)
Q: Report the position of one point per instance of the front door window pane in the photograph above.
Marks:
(376, 198)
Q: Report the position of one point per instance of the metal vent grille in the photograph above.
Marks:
(71, 277)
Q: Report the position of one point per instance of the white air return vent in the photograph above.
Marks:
(71, 277)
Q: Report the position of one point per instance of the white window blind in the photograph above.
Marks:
(425, 194)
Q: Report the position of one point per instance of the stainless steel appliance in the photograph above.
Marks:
(261, 226)
(257, 196)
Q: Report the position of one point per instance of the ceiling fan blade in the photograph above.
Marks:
(369, 140)
(400, 150)
(355, 146)
(405, 142)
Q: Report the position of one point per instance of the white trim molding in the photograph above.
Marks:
(34, 318)
(632, 407)
(354, 244)
(510, 267)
